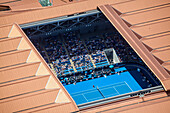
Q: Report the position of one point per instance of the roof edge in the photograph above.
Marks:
(134, 42)
(45, 64)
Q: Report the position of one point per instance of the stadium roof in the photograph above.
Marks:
(26, 82)
(144, 32)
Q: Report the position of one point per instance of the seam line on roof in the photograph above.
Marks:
(27, 80)
(17, 79)
(8, 51)
(33, 108)
(156, 34)
(145, 8)
(40, 107)
(167, 61)
(64, 1)
(17, 51)
(133, 104)
(54, 105)
(38, 93)
(12, 65)
(9, 39)
(156, 51)
(4, 38)
(161, 47)
(150, 21)
(143, 11)
(25, 64)
(118, 107)
(164, 34)
(21, 94)
(10, 1)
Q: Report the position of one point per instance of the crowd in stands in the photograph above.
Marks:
(86, 75)
(63, 66)
(99, 58)
(55, 49)
(82, 62)
(72, 49)
(95, 44)
(123, 50)
(77, 51)
(75, 59)
(74, 45)
(57, 55)
(143, 79)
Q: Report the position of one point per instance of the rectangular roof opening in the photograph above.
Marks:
(91, 58)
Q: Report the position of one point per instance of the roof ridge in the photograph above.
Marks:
(42, 107)
(18, 66)
(8, 38)
(24, 80)
(14, 52)
(29, 95)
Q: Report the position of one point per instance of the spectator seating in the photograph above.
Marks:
(54, 48)
(74, 45)
(72, 48)
(82, 62)
(95, 44)
(100, 59)
(63, 66)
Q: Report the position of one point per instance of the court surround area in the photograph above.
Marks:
(103, 87)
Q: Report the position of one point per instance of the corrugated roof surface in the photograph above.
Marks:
(132, 105)
(155, 106)
(22, 17)
(28, 85)
(26, 82)
(146, 29)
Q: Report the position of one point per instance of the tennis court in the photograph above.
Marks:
(113, 85)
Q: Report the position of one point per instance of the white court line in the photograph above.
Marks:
(91, 92)
(116, 90)
(94, 98)
(80, 94)
(112, 86)
(111, 94)
(128, 86)
(85, 98)
(105, 88)
(122, 83)
(76, 95)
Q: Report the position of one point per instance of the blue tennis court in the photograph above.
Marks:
(113, 85)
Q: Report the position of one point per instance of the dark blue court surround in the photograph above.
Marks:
(113, 85)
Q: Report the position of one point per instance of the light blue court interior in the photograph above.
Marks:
(112, 85)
